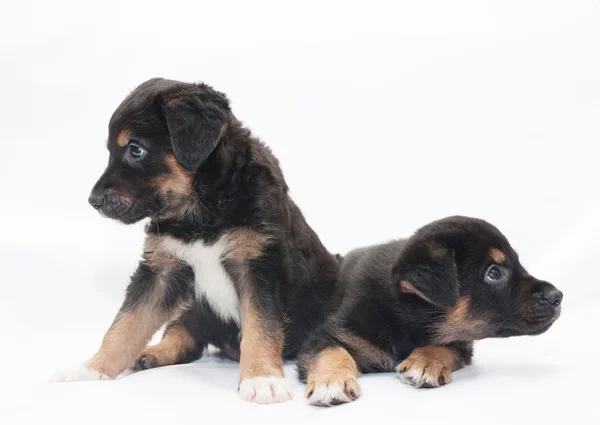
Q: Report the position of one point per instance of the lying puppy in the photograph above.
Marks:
(417, 305)
(228, 260)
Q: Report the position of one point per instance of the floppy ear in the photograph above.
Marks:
(195, 120)
(428, 269)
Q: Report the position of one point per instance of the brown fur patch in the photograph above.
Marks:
(261, 350)
(409, 288)
(128, 335)
(155, 258)
(333, 366)
(366, 351)
(429, 366)
(132, 329)
(497, 255)
(244, 244)
(175, 346)
(178, 181)
(177, 189)
(458, 325)
(123, 138)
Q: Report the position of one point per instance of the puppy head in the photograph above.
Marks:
(157, 139)
(467, 269)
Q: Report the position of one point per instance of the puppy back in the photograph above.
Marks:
(371, 262)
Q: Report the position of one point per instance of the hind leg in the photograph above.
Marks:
(178, 346)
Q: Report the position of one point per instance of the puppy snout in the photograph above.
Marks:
(551, 295)
(96, 200)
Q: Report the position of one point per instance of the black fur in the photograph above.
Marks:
(236, 183)
(446, 261)
(195, 120)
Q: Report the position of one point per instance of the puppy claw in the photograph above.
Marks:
(422, 373)
(333, 393)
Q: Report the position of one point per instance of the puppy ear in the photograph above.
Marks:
(428, 269)
(195, 119)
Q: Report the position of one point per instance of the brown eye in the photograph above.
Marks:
(493, 274)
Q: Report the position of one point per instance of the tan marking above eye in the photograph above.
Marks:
(123, 138)
(497, 255)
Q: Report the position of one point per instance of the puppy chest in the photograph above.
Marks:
(212, 281)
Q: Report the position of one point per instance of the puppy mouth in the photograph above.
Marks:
(126, 215)
(543, 320)
(533, 324)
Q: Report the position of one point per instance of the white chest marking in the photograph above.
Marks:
(212, 281)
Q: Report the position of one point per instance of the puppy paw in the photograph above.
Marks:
(424, 373)
(79, 373)
(146, 361)
(265, 389)
(334, 392)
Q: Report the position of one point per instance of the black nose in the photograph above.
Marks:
(552, 295)
(95, 200)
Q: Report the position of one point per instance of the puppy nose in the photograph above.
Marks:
(96, 200)
(552, 295)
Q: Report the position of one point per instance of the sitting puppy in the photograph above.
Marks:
(228, 260)
(417, 305)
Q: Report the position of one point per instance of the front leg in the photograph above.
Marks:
(331, 360)
(432, 366)
(261, 348)
(159, 289)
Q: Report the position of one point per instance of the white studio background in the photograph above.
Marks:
(384, 116)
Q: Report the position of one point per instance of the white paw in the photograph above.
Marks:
(334, 393)
(79, 373)
(266, 389)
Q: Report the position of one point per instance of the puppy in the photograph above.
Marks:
(228, 259)
(417, 305)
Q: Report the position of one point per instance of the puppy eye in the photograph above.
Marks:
(494, 274)
(136, 151)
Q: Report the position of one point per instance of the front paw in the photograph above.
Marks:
(334, 392)
(265, 389)
(424, 373)
(79, 373)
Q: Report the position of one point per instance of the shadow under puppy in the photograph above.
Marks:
(228, 259)
(416, 306)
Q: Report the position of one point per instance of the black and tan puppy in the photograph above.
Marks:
(228, 260)
(417, 305)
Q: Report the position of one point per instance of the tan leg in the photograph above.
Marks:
(144, 311)
(261, 363)
(128, 335)
(332, 378)
(177, 346)
(429, 367)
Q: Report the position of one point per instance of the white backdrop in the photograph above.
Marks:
(384, 116)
